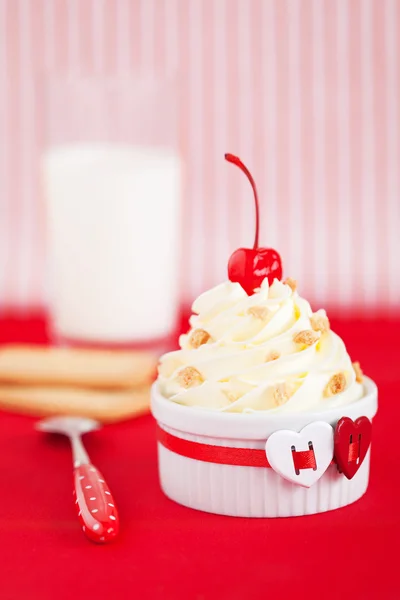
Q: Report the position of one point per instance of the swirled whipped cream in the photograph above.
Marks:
(264, 352)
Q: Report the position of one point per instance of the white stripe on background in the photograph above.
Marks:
(171, 36)
(123, 36)
(392, 33)
(97, 13)
(4, 199)
(341, 240)
(27, 209)
(147, 37)
(295, 220)
(320, 256)
(220, 198)
(49, 61)
(271, 235)
(245, 219)
(368, 221)
(73, 35)
(196, 198)
(49, 34)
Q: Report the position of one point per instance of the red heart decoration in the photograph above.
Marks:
(351, 443)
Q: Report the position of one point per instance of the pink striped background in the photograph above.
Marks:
(307, 92)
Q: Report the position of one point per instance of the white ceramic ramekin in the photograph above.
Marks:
(252, 491)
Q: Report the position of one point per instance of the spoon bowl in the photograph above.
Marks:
(69, 426)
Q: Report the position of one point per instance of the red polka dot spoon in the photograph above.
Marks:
(94, 503)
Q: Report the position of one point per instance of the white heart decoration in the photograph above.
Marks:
(280, 456)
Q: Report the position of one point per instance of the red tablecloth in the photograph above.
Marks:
(168, 551)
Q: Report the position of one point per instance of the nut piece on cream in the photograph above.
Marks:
(190, 377)
(358, 372)
(305, 338)
(320, 322)
(336, 385)
(231, 396)
(281, 394)
(273, 355)
(292, 283)
(258, 312)
(198, 337)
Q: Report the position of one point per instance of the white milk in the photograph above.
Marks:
(113, 225)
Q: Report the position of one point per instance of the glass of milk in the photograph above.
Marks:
(112, 187)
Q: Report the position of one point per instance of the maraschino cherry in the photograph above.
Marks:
(249, 266)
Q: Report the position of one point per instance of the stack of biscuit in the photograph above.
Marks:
(105, 385)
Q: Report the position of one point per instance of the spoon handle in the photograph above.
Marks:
(95, 505)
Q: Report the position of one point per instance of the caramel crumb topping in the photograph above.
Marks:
(280, 394)
(231, 396)
(198, 338)
(358, 372)
(258, 312)
(292, 283)
(336, 385)
(320, 323)
(190, 377)
(273, 355)
(305, 337)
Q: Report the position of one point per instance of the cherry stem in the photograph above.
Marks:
(236, 161)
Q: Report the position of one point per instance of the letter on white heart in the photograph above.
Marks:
(281, 445)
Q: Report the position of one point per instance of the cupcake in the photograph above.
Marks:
(261, 412)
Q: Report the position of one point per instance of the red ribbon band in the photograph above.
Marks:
(304, 460)
(242, 457)
(354, 451)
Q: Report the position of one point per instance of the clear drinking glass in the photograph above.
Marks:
(112, 185)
